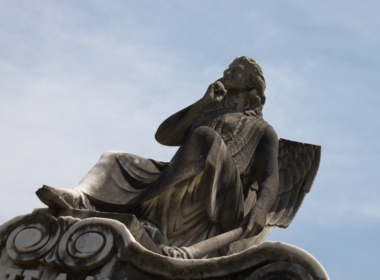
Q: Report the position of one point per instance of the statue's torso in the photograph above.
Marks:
(240, 132)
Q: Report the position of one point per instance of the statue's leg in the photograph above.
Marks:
(76, 198)
(227, 197)
(206, 201)
(118, 178)
(63, 198)
(104, 187)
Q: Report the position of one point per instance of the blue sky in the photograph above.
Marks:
(78, 78)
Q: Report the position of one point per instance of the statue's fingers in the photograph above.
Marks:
(253, 232)
(256, 229)
(245, 233)
(211, 88)
(247, 230)
(219, 87)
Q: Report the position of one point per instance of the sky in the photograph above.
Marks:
(79, 78)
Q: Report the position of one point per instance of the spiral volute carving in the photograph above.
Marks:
(33, 239)
(86, 246)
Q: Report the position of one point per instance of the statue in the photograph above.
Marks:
(227, 153)
(229, 184)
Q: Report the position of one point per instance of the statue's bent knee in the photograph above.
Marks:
(110, 154)
(204, 134)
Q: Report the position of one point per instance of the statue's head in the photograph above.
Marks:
(246, 75)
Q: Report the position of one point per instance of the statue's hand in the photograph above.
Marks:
(215, 93)
(253, 223)
(178, 253)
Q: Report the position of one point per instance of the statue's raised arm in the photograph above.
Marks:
(174, 130)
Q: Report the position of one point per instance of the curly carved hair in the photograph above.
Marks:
(255, 80)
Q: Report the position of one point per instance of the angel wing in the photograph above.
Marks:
(298, 165)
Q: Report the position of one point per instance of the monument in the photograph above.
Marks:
(203, 215)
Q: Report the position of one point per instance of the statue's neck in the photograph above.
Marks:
(237, 101)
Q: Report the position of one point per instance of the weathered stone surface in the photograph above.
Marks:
(128, 220)
(101, 248)
(230, 173)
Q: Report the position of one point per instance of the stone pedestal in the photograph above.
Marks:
(89, 245)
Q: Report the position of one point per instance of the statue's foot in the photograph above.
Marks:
(59, 198)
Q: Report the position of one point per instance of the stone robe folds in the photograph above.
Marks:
(197, 195)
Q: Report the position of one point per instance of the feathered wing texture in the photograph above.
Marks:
(298, 165)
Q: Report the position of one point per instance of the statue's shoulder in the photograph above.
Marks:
(256, 122)
(270, 134)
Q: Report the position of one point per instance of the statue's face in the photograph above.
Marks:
(235, 76)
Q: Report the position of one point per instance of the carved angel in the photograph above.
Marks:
(231, 178)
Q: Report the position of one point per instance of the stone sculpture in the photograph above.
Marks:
(228, 185)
